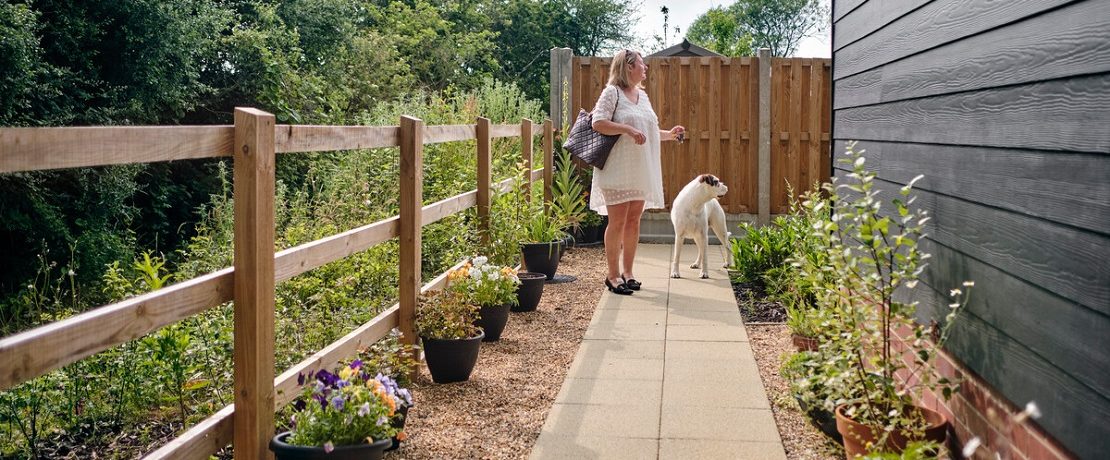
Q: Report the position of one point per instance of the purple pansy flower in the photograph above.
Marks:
(338, 402)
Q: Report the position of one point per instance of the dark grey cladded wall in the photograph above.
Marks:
(1004, 106)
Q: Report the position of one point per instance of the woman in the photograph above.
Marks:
(632, 179)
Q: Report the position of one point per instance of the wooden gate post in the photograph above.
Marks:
(560, 80)
(526, 155)
(412, 200)
(254, 283)
(484, 179)
(548, 161)
(764, 161)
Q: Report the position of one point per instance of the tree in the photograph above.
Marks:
(779, 25)
(719, 31)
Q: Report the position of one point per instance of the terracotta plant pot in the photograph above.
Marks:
(530, 290)
(451, 360)
(803, 343)
(857, 436)
(492, 320)
(285, 451)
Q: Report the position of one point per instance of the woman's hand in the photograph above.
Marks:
(678, 133)
(637, 135)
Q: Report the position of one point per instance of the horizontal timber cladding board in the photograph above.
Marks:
(1072, 412)
(1063, 260)
(1060, 43)
(1070, 188)
(1066, 114)
(1073, 340)
(843, 7)
(939, 22)
(871, 16)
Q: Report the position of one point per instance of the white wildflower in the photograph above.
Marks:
(969, 283)
(955, 292)
(480, 260)
(1032, 410)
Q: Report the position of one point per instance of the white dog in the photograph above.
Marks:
(694, 212)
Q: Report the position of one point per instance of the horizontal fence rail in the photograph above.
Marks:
(33, 353)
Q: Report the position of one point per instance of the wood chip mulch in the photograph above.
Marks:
(498, 413)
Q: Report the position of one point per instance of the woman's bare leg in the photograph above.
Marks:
(631, 235)
(614, 237)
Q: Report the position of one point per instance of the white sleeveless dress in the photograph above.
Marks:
(632, 172)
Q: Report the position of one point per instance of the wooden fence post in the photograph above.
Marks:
(548, 161)
(560, 87)
(484, 179)
(526, 154)
(412, 200)
(764, 161)
(254, 283)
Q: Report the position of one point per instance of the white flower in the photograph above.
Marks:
(475, 273)
(971, 446)
(480, 260)
(494, 275)
(969, 283)
(1032, 410)
(955, 292)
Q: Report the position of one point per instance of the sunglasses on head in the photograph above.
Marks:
(629, 56)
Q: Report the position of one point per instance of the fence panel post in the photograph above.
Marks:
(548, 161)
(484, 179)
(764, 161)
(254, 283)
(412, 199)
(526, 154)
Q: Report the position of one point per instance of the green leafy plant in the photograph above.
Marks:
(484, 283)
(348, 407)
(763, 248)
(390, 356)
(870, 257)
(446, 315)
(568, 200)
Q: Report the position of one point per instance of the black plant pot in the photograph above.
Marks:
(530, 290)
(565, 243)
(822, 419)
(399, 424)
(541, 257)
(285, 451)
(451, 360)
(492, 320)
(589, 234)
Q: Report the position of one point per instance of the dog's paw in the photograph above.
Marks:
(725, 265)
(704, 275)
(675, 275)
(695, 265)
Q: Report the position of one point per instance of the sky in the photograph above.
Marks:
(684, 12)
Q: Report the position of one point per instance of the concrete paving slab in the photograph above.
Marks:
(681, 317)
(682, 332)
(555, 447)
(708, 351)
(619, 392)
(683, 449)
(623, 349)
(602, 420)
(721, 423)
(605, 316)
(746, 393)
(708, 371)
(643, 369)
(656, 301)
(621, 331)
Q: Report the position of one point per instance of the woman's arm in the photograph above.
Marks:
(673, 134)
(612, 128)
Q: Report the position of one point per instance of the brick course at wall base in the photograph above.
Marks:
(977, 411)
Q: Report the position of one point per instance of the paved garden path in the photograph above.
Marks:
(665, 373)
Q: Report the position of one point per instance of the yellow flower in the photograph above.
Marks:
(346, 373)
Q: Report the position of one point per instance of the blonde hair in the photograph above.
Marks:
(618, 69)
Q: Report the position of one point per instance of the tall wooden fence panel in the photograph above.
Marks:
(800, 120)
(717, 100)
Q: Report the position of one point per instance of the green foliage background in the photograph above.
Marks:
(78, 238)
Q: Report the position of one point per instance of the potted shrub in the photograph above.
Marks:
(588, 231)
(346, 415)
(871, 256)
(492, 287)
(543, 237)
(800, 370)
(445, 324)
(393, 358)
(568, 203)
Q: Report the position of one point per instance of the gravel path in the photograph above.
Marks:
(499, 412)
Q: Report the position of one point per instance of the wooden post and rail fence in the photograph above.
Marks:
(253, 142)
(756, 122)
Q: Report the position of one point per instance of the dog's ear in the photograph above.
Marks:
(709, 179)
